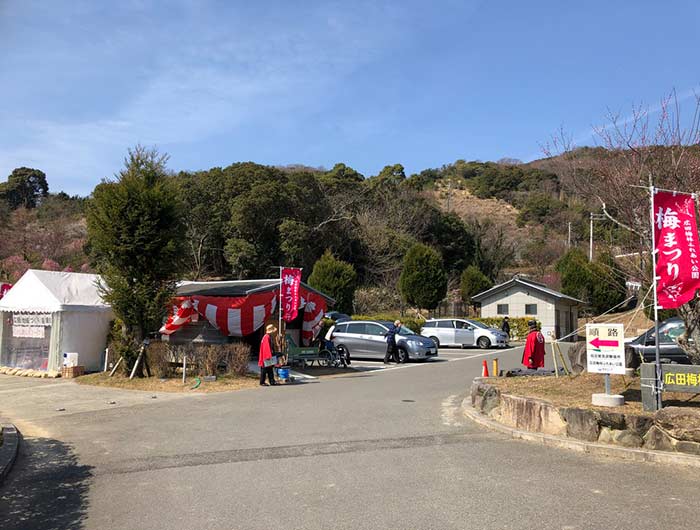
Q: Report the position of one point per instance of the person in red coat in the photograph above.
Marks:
(533, 355)
(265, 355)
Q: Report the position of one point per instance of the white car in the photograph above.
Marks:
(463, 333)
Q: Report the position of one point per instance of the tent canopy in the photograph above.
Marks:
(238, 288)
(48, 292)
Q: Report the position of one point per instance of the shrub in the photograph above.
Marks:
(238, 359)
(423, 282)
(518, 325)
(336, 278)
(160, 356)
(473, 282)
(412, 323)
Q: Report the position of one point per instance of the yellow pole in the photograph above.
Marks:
(495, 367)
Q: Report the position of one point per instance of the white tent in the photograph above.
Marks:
(47, 314)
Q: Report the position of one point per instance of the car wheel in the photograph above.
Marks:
(403, 355)
(483, 342)
(436, 341)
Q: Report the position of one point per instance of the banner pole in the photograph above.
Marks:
(280, 311)
(657, 356)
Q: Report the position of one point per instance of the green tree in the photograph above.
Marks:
(423, 282)
(134, 236)
(473, 281)
(602, 284)
(25, 187)
(336, 278)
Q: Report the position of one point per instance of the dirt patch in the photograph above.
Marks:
(577, 391)
(153, 384)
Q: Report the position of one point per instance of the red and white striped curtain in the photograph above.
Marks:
(241, 316)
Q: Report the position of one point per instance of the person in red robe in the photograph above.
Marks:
(265, 355)
(533, 355)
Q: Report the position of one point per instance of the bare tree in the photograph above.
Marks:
(657, 146)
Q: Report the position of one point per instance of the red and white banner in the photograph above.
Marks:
(232, 316)
(4, 287)
(290, 282)
(241, 316)
(677, 248)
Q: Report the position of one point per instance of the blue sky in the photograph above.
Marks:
(364, 83)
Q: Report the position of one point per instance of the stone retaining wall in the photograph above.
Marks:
(674, 429)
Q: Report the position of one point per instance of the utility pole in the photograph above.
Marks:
(597, 217)
(590, 246)
(449, 194)
(568, 241)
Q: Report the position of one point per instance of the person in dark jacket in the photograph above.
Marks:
(392, 352)
(505, 326)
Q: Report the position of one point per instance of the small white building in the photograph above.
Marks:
(47, 314)
(557, 312)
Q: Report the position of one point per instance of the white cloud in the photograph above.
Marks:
(183, 80)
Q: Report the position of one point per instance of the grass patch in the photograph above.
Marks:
(577, 391)
(224, 383)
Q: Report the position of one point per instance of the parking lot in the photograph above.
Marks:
(508, 358)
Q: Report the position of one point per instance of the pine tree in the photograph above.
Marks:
(134, 236)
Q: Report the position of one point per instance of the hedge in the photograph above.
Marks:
(412, 323)
(518, 325)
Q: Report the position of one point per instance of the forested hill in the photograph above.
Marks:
(243, 220)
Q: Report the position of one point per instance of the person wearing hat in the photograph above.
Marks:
(533, 355)
(266, 355)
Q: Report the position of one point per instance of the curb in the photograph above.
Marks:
(592, 448)
(8, 449)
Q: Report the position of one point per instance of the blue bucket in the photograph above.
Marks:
(283, 373)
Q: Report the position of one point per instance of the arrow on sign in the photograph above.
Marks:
(597, 343)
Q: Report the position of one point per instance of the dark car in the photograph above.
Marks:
(645, 345)
(337, 316)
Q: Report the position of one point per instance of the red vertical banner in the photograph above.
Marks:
(290, 281)
(4, 287)
(677, 248)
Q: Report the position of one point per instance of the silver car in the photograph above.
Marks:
(367, 338)
(463, 333)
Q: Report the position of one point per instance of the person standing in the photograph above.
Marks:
(392, 352)
(266, 355)
(533, 355)
(505, 326)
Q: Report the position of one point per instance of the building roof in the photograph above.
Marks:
(237, 288)
(49, 291)
(528, 284)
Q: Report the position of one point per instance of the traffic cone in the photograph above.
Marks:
(484, 369)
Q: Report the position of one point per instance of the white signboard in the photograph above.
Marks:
(605, 348)
(28, 332)
(31, 319)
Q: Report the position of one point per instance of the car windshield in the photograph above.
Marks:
(478, 324)
(404, 330)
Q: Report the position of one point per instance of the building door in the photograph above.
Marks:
(557, 324)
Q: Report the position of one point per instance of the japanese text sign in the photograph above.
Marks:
(605, 348)
(676, 236)
(290, 280)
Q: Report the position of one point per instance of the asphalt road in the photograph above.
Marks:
(377, 449)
